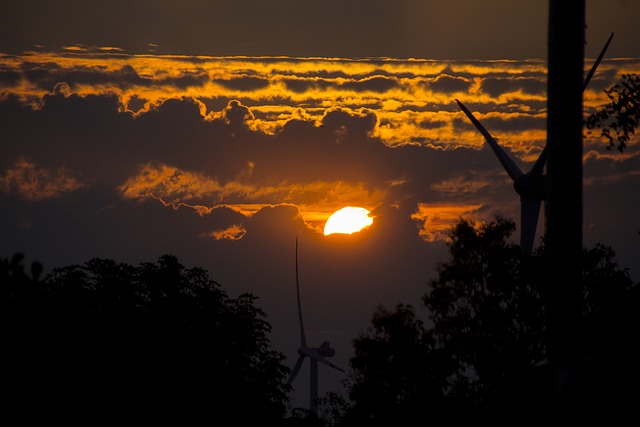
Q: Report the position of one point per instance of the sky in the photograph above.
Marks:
(219, 131)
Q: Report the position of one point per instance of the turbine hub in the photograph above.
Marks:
(531, 187)
(325, 350)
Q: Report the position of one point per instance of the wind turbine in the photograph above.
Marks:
(529, 186)
(315, 354)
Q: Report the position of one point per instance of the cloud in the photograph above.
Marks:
(177, 188)
(602, 167)
(276, 89)
(247, 146)
(437, 220)
(33, 183)
(9, 78)
(234, 232)
(449, 84)
(497, 86)
(378, 84)
(244, 83)
(460, 184)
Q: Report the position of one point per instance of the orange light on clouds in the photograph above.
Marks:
(233, 232)
(436, 220)
(411, 99)
(175, 187)
(35, 183)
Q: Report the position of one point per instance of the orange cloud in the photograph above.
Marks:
(412, 100)
(436, 220)
(175, 188)
(33, 183)
(233, 232)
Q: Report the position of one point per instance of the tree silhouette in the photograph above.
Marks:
(619, 118)
(486, 305)
(158, 338)
(399, 374)
(484, 351)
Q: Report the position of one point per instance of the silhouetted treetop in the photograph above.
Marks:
(486, 307)
(482, 350)
(619, 118)
(398, 372)
(154, 337)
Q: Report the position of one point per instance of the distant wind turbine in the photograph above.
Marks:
(315, 354)
(530, 186)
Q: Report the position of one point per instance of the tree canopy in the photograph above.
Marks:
(620, 117)
(157, 338)
(482, 349)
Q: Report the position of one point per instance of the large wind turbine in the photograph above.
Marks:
(315, 354)
(529, 186)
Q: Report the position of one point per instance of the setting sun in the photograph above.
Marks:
(348, 220)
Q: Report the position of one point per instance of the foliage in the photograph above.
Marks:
(398, 372)
(484, 348)
(486, 308)
(619, 119)
(157, 337)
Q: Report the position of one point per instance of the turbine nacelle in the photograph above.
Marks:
(325, 350)
(316, 352)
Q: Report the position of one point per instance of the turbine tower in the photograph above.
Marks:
(530, 186)
(315, 354)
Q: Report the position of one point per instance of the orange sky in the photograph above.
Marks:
(402, 102)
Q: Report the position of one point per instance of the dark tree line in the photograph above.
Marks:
(482, 351)
(156, 340)
(163, 340)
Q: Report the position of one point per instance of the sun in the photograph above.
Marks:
(348, 220)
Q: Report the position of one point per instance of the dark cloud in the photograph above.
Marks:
(9, 78)
(498, 86)
(46, 75)
(375, 84)
(512, 123)
(300, 85)
(449, 84)
(244, 83)
(432, 124)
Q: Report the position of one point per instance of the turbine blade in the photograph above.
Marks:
(538, 166)
(296, 369)
(529, 212)
(512, 169)
(326, 362)
(595, 64)
(303, 340)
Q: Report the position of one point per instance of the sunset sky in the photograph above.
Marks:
(218, 131)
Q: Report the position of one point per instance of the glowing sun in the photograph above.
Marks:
(348, 221)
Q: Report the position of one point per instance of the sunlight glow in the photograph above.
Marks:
(348, 220)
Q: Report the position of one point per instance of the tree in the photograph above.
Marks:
(486, 308)
(619, 118)
(398, 373)
(485, 351)
(157, 338)
(489, 305)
